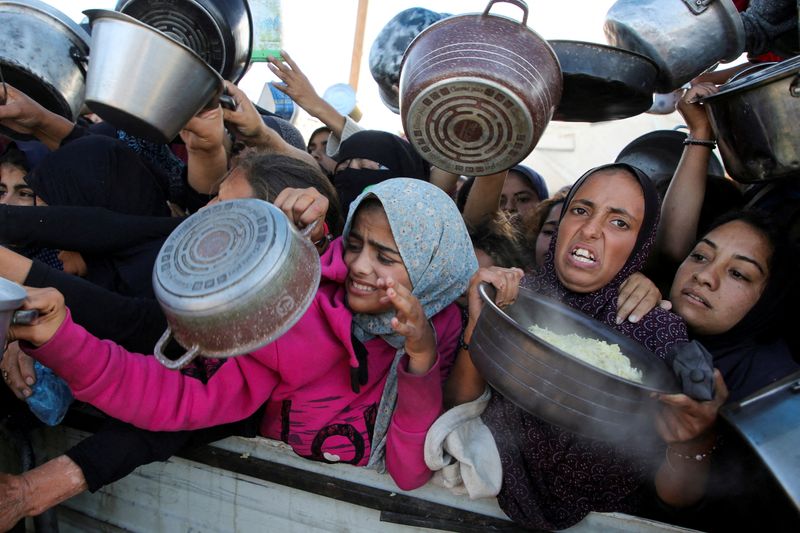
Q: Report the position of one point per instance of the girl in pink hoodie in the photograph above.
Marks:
(356, 380)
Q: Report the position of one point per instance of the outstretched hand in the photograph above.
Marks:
(205, 131)
(683, 419)
(411, 323)
(693, 111)
(22, 114)
(294, 83)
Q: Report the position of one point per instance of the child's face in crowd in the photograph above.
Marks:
(722, 278)
(371, 254)
(546, 233)
(317, 147)
(517, 195)
(13, 189)
(234, 186)
(599, 230)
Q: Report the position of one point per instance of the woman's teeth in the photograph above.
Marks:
(582, 255)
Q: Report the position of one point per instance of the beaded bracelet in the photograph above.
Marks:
(698, 457)
(709, 143)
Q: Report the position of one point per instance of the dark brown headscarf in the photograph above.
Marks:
(552, 478)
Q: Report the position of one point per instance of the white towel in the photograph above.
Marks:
(461, 451)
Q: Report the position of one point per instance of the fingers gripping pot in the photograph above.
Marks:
(477, 91)
(233, 278)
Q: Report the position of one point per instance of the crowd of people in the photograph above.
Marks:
(403, 247)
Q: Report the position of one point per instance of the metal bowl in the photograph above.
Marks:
(557, 387)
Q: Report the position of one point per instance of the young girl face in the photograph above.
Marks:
(546, 233)
(599, 230)
(370, 253)
(722, 278)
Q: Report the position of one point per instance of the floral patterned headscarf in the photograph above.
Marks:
(433, 243)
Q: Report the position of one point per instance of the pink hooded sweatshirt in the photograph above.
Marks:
(303, 377)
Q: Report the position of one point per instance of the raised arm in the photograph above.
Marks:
(22, 114)
(680, 211)
(484, 198)
(246, 125)
(204, 136)
(296, 85)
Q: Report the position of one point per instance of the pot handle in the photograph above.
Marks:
(698, 6)
(794, 87)
(519, 3)
(306, 232)
(749, 70)
(24, 317)
(182, 361)
(80, 59)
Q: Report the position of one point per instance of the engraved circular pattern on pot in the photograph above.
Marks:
(470, 126)
(191, 25)
(217, 251)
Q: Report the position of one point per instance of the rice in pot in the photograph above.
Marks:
(597, 353)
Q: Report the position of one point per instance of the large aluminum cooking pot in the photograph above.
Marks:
(683, 37)
(43, 55)
(219, 31)
(477, 91)
(756, 117)
(232, 278)
(142, 81)
(557, 387)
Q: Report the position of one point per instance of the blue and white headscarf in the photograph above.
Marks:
(433, 243)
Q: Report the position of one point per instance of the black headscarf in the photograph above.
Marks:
(390, 151)
(99, 171)
(752, 353)
(552, 478)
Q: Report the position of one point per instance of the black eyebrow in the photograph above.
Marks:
(376, 244)
(740, 257)
(615, 210)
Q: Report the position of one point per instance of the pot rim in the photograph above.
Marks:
(762, 77)
(569, 311)
(96, 15)
(613, 49)
(10, 301)
(472, 16)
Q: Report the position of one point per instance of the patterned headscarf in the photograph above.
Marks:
(658, 330)
(553, 478)
(433, 242)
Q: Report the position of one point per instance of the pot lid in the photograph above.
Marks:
(11, 295)
(759, 78)
(221, 253)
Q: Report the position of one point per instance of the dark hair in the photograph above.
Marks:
(322, 129)
(763, 224)
(269, 174)
(14, 156)
(501, 240)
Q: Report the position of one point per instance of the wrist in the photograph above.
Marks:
(421, 364)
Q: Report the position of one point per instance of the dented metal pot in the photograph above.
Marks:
(477, 91)
(232, 278)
